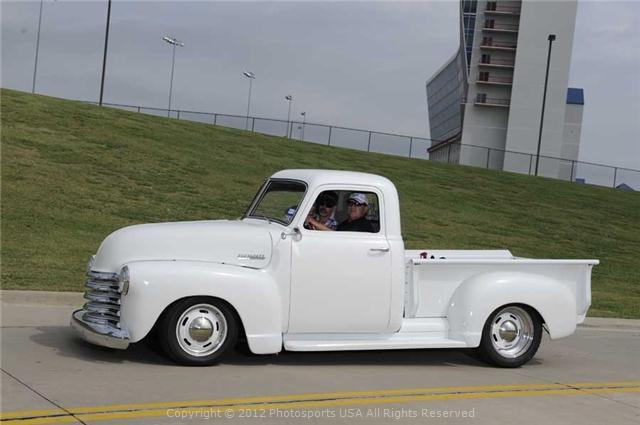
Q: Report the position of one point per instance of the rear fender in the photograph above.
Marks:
(252, 293)
(477, 297)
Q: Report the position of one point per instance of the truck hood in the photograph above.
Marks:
(223, 241)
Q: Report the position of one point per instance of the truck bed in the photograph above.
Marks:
(431, 282)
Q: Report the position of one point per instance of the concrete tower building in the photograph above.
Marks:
(485, 103)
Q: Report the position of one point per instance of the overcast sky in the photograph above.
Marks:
(357, 64)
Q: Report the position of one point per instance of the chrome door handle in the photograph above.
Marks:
(380, 249)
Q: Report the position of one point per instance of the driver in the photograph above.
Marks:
(322, 216)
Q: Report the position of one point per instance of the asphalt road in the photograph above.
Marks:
(50, 376)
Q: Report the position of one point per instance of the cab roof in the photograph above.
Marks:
(320, 177)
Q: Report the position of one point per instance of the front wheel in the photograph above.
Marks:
(198, 331)
(511, 336)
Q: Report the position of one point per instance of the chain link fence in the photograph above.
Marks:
(410, 147)
(547, 166)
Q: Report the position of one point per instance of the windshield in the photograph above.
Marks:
(279, 201)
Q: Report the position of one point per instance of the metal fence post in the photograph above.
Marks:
(178, 113)
(573, 164)
(410, 146)
(329, 141)
(215, 119)
(615, 176)
(530, 161)
(369, 143)
(449, 154)
(138, 109)
(488, 156)
(253, 123)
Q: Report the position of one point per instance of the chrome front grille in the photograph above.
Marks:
(103, 296)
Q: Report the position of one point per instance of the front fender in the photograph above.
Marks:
(154, 285)
(477, 297)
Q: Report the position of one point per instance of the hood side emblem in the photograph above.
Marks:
(251, 257)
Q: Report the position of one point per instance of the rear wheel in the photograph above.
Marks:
(511, 336)
(198, 331)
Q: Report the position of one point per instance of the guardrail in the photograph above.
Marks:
(500, 44)
(494, 61)
(491, 24)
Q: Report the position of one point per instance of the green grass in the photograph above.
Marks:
(72, 173)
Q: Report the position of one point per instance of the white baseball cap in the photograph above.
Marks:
(360, 198)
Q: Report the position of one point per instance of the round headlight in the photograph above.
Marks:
(123, 280)
(90, 263)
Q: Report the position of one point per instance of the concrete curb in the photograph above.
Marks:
(75, 299)
(49, 298)
(612, 323)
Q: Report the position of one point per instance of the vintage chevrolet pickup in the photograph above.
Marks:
(272, 278)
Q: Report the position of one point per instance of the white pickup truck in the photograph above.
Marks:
(280, 283)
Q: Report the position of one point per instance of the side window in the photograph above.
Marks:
(344, 210)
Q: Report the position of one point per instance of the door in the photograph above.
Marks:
(340, 281)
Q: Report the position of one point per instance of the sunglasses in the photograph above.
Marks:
(329, 204)
(355, 204)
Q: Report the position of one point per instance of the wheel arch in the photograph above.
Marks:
(478, 297)
(241, 331)
(251, 294)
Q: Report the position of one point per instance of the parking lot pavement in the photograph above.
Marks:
(592, 377)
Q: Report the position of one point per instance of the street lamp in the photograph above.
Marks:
(304, 120)
(551, 39)
(104, 56)
(289, 99)
(251, 76)
(35, 65)
(174, 42)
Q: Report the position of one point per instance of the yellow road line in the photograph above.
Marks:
(314, 400)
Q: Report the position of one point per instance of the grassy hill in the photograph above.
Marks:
(72, 173)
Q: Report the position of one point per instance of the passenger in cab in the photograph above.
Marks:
(357, 208)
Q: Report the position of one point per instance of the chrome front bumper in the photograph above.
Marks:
(98, 322)
(94, 333)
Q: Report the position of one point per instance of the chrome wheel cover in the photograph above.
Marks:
(512, 332)
(201, 330)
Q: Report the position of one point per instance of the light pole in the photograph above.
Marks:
(289, 99)
(104, 56)
(251, 76)
(35, 65)
(174, 42)
(304, 120)
(551, 39)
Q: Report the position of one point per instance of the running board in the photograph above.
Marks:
(349, 342)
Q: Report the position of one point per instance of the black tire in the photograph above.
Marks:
(208, 328)
(522, 324)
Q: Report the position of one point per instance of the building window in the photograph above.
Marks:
(484, 76)
(491, 5)
(469, 6)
